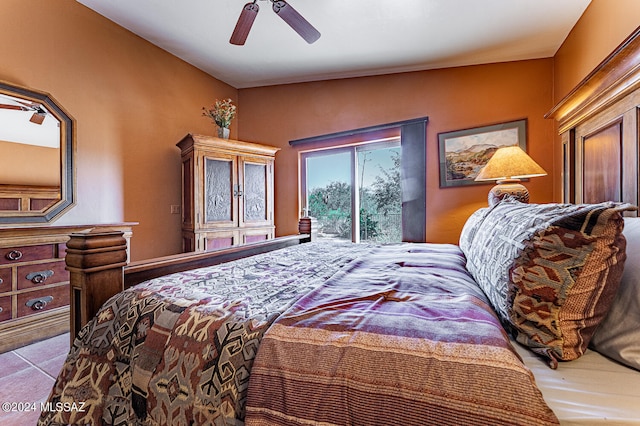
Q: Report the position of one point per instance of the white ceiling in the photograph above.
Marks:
(15, 124)
(359, 37)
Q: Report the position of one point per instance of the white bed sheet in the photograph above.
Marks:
(592, 390)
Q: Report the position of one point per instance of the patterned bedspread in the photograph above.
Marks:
(177, 350)
(402, 336)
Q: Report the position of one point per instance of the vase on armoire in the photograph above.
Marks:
(223, 132)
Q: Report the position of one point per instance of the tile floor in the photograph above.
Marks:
(27, 375)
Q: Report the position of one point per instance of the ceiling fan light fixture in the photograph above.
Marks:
(39, 113)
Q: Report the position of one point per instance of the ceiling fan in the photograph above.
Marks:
(39, 112)
(284, 10)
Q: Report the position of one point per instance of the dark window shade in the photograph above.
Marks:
(413, 174)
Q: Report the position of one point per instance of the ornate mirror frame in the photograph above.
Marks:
(67, 152)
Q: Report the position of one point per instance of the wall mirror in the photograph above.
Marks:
(37, 142)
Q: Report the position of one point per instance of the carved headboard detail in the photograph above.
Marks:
(598, 122)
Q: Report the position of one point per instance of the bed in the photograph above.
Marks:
(360, 334)
(532, 319)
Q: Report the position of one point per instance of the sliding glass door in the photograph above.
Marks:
(361, 181)
(329, 192)
(379, 193)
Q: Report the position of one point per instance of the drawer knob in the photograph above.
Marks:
(14, 255)
(40, 276)
(40, 303)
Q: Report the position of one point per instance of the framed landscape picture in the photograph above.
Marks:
(464, 152)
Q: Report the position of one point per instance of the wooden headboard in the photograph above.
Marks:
(599, 126)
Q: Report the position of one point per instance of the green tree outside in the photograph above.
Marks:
(380, 206)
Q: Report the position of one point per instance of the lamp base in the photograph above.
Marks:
(508, 187)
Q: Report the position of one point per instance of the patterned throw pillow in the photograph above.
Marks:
(551, 271)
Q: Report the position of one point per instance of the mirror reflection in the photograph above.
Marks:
(30, 161)
(36, 146)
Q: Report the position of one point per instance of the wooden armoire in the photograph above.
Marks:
(227, 192)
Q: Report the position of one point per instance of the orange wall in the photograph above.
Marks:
(23, 164)
(604, 25)
(132, 102)
(453, 99)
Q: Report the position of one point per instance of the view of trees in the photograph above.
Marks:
(380, 205)
(387, 193)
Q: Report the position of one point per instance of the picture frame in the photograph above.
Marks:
(463, 153)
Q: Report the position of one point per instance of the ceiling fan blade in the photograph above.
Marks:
(38, 115)
(24, 106)
(296, 21)
(17, 107)
(245, 21)
(37, 118)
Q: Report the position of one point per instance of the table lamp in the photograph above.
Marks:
(507, 166)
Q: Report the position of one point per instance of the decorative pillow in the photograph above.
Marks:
(551, 271)
(471, 227)
(618, 335)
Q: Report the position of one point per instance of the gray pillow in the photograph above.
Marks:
(618, 335)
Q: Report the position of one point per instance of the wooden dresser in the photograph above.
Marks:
(227, 190)
(34, 284)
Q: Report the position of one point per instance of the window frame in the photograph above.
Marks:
(413, 167)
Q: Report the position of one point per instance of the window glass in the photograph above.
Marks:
(366, 176)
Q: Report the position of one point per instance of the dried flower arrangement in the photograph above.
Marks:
(221, 112)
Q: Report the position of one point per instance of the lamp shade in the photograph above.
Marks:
(510, 162)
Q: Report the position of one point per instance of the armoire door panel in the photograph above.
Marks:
(255, 192)
(220, 202)
(257, 199)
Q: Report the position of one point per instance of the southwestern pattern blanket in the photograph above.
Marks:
(369, 336)
(177, 350)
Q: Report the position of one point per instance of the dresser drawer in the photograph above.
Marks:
(42, 300)
(32, 276)
(26, 254)
(5, 305)
(5, 280)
